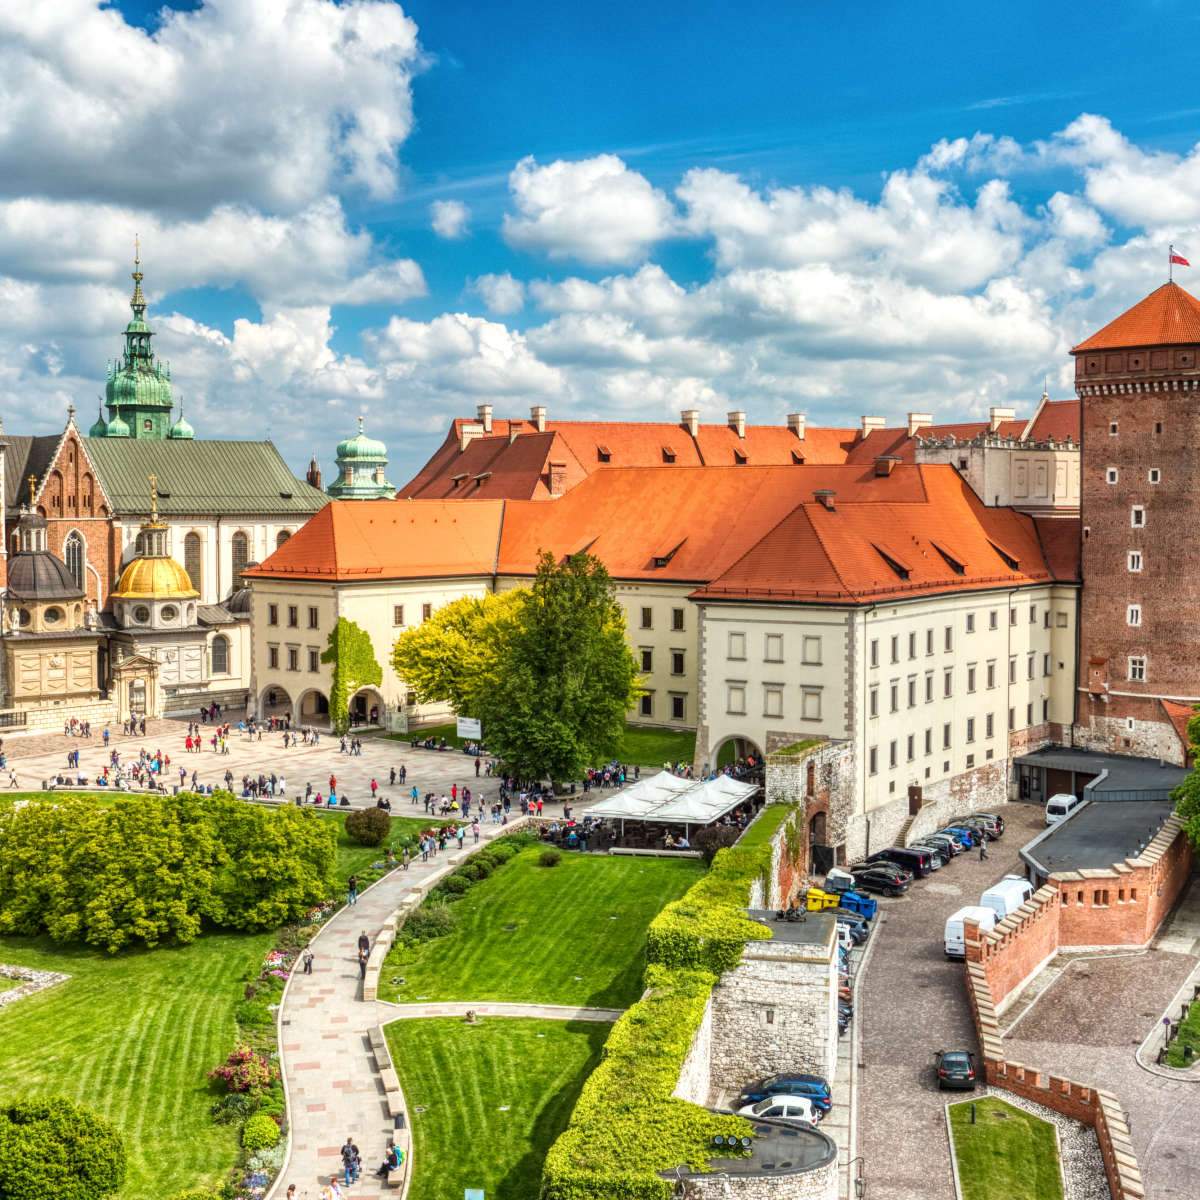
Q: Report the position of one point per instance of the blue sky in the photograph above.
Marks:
(748, 189)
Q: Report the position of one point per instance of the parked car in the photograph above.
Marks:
(995, 818)
(857, 868)
(955, 1069)
(887, 880)
(1007, 896)
(955, 942)
(987, 827)
(858, 927)
(1060, 807)
(969, 837)
(919, 863)
(790, 1108)
(937, 856)
(948, 847)
(813, 1087)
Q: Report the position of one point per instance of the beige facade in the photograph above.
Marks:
(662, 626)
(1035, 477)
(925, 689)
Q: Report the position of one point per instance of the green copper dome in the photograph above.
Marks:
(361, 448)
(100, 428)
(116, 427)
(181, 430)
(361, 461)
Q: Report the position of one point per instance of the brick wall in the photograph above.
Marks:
(1013, 953)
(789, 862)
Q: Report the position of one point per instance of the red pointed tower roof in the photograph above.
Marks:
(1169, 316)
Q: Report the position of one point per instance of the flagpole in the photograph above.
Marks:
(1170, 264)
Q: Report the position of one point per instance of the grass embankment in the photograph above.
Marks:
(134, 1036)
(570, 934)
(505, 1087)
(1008, 1154)
(1184, 1048)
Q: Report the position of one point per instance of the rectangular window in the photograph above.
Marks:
(1045, 710)
(892, 756)
(314, 660)
(647, 618)
(293, 658)
(1046, 665)
(273, 657)
(772, 701)
(1133, 614)
(928, 742)
(313, 618)
(970, 761)
(397, 614)
(1033, 614)
(1134, 561)
(895, 649)
(737, 646)
(912, 692)
(1029, 714)
(874, 652)
(676, 662)
(1154, 475)
(948, 683)
(1061, 620)
(970, 729)
(1137, 668)
(873, 760)
(1110, 475)
(1012, 669)
(929, 641)
(989, 725)
(647, 659)
(272, 614)
(646, 704)
(677, 619)
(894, 690)
(971, 677)
(946, 738)
(678, 708)
(1030, 664)
(912, 645)
(873, 702)
(1012, 616)
(1112, 429)
(810, 653)
(1137, 517)
(810, 704)
(993, 619)
(970, 622)
(949, 639)
(911, 747)
(928, 687)
(773, 647)
(426, 611)
(1012, 718)
(735, 700)
(991, 675)
(293, 616)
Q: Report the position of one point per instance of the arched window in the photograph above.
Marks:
(220, 655)
(74, 555)
(282, 537)
(241, 556)
(192, 560)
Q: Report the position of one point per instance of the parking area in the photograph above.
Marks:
(911, 1002)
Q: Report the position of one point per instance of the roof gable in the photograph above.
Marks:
(1169, 316)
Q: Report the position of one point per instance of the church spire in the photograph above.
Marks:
(138, 301)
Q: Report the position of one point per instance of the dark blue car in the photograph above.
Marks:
(964, 835)
(813, 1087)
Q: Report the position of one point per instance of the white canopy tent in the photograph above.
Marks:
(669, 800)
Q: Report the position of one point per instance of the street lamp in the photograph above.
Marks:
(860, 1184)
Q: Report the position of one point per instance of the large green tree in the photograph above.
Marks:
(52, 1147)
(352, 655)
(546, 669)
(1187, 794)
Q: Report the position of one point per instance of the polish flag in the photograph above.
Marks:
(1178, 260)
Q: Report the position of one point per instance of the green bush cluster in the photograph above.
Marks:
(627, 1126)
(368, 826)
(477, 868)
(549, 858)
(153, 869)
(428, 922)
(52, 1147)
(259, 1133)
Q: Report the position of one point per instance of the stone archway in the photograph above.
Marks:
(313, 708)
(733, 748)
(367, 708)
(274, 702)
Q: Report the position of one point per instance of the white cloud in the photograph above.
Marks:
(239, 101)
(501, 294)
(595, 210)
(449, 218)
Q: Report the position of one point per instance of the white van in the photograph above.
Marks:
(956, 946)
(1060, 807)
(1007, 896)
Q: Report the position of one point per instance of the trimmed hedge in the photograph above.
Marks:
(627, 1126)
(52, 1147)
(259, 1133)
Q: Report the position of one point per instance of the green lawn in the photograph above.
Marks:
(134, 1036)
(1008, 1154)
(570, 934)
(1184, 1050)
(495, 1096)
(353, 859)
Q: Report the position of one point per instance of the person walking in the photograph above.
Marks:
(352, 890)
(983, 849)
(475, 830)
(404, 858)
(364, 943)
(307, 959)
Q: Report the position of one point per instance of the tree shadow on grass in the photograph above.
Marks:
(523, 1179)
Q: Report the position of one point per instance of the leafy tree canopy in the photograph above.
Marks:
(52, 1147)
(546, 669)
(1187, 794)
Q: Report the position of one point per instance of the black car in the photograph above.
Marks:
(812, 1087)
(944, 844)
(955, 1069)
(939, 855)
(918, 863)
(858, 926)
(875, 878)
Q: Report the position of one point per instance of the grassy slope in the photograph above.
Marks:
(1008, 1155)
(462, 1075)
(564, 930)
(134, 1036)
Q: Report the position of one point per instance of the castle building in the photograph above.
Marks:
(361, 463)
(1138, 381)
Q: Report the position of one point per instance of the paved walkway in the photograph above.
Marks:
(492, 1008)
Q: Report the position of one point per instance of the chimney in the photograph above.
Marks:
(996, 415)
(824, 497)
(870, 424)
(690, 420)
(737, 422)
(484, 413)
(885, 464)
(558, 478)
(917, 422)
(537, 414)
(795, 422)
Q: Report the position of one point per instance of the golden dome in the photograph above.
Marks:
(155, 579)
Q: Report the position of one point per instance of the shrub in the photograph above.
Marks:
(259, 1133)
(549, 858)
(244, 1071)
(253, 1014)
(715, 837)
(368, 826)
(476, 869)
(501, 852)
(428, 922)
(52, 1147)
(455, 885)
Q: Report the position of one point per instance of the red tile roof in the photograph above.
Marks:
(1061, 546)
(1057, 419)
(816, 555)
(1169, 316)
(1179, 715)
(390, 539)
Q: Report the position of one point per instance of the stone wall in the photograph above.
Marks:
(820, 1184)
(695, 1078)
(1105, 728)
(820, 780)
(789, 859)
(53, 716)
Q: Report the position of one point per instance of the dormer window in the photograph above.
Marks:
(603, 454)
(668, 455)
(797, 459)
(893, 560)
(953, 561)
(739, 456)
